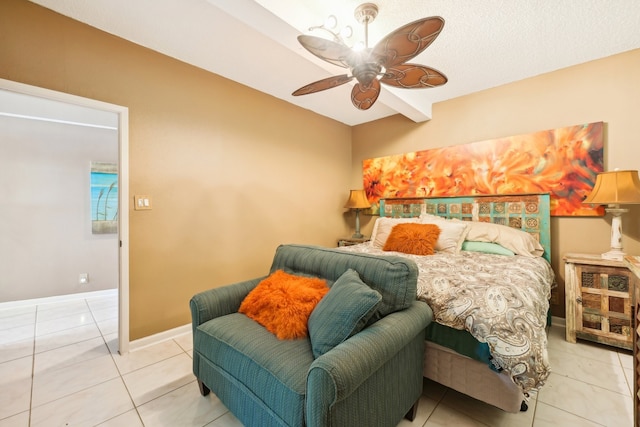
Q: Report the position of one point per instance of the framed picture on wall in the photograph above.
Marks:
(563, 162)
(104, 198)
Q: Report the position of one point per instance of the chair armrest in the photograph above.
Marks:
(218, 302)
(341, 370)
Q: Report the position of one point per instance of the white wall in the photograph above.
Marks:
(45, 213)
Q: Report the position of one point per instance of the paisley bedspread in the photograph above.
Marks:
(500, 300)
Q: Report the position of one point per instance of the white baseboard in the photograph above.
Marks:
(59, 298)
(159, 337)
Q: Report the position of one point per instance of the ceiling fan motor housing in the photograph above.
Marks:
(366, 72)
(366, 13)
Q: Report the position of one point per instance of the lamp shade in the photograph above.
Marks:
(615, 188)
(357, 200)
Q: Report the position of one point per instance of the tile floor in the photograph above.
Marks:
(59, 367)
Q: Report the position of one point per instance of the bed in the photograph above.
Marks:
(488, 283)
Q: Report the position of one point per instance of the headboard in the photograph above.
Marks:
(526, 212)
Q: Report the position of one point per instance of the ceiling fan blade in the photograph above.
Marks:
(323, 84)
(327, 50)
(413, 76)
(363, 97)
(407, 41)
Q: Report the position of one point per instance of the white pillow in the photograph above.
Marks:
(518, 241)
(382, 228)
(452, 233)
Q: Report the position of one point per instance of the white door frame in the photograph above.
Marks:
(123, 189)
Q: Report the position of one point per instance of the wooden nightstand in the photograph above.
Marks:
(634, 265)
(349, 241)
(599, 300)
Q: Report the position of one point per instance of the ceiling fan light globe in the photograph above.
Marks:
(346, 32)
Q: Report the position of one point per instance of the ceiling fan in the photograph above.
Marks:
(384, 63)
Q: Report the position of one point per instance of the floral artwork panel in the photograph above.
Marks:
(563, 162)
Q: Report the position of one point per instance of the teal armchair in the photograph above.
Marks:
(373, 378)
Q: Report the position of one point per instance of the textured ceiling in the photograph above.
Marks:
(484, 43)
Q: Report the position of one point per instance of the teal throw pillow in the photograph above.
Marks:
(486, 247)
(342, 312)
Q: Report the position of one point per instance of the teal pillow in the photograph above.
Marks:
(342, 312)
(486, 247)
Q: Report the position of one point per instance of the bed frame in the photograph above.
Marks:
(526, 212)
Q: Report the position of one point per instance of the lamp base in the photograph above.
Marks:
(613, 254)
(357, 234)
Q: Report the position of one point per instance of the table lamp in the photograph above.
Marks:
(357, 201)
(613, 189)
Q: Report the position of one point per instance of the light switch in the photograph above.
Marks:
(142, 202)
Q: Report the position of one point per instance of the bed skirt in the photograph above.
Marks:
(472, 378)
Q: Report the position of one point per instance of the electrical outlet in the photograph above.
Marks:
(84, 278)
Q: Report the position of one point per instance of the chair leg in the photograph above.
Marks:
(204, 390)
(411, 415)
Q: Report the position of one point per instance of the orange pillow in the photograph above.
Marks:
(282, 303)
(417, 239)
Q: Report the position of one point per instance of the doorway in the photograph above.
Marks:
(120, 118)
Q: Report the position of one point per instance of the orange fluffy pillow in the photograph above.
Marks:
(282, 303)
(416, 239)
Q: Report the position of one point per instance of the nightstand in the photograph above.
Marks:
(349, 241)
(634, 265)
(599, 298)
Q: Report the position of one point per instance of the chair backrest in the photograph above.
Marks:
(394, 277)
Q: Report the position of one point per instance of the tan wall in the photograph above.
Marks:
(232, 172)
(604, 90)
